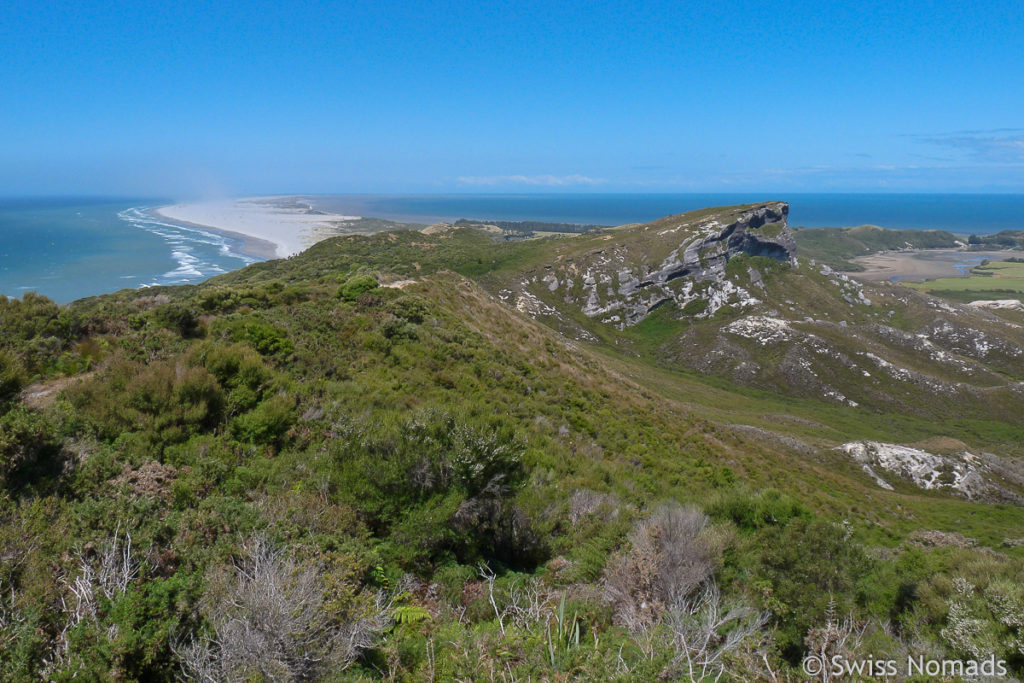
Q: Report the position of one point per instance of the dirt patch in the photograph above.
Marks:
(152, 480)
(43, 394)
(941, 444)
(399, 284)
(940, 539)
(764, 435)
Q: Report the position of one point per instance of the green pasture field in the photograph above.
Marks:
(995, 280)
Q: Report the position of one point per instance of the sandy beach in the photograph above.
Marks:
(925, 264)
(273, 227)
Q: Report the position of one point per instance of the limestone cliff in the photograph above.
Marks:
(680, 258)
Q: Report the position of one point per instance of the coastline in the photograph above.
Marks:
(269, 227)
(255, 247)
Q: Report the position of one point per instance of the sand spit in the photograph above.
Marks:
(287, 223)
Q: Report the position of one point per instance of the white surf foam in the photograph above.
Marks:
(198, 254)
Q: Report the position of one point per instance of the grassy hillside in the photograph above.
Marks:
(365, 462)
(836, 246)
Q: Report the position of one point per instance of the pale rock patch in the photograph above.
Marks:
(930, 471)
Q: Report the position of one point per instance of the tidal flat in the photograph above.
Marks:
(918, 265)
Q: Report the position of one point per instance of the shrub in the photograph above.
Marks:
(662, 589)
(768, 507)
(802, 566)
(165, 402)
(10, 377)
(31, 317)
(239, 370)
(460, 478)
(397, 329)
(585, 503)
(266, 339)
(29, 453)
(177, 318)
(670, 553)
(409, 307)
(143, 622)
(276, 619)
(267, 422)
(356, 285)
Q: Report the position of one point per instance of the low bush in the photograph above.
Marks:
(670, 553)
(267, 422)
(167, 402)
(355, 286)
(30, 453)
(768, 507)
(11, 378)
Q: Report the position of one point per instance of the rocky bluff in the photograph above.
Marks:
(679, 259)
(760, 231)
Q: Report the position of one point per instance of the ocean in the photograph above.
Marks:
(67, 249)
(71, 248)
(957, 213)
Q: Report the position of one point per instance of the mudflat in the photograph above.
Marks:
(926, 264)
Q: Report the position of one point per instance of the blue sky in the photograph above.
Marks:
(215, 98)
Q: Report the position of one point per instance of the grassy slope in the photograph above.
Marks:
(616, 417)
(475, 255)
(667, 334)
(727, 403)
(672, 395)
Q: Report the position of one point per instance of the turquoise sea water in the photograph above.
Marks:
(68, 249)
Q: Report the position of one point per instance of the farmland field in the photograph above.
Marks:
(995, 280)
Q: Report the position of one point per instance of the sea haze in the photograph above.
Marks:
(69, 249)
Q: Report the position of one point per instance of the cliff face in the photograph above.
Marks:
(679, 258)
(703, 253)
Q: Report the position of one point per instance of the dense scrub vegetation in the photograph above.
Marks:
(1004, 239)
(293, 473)
(835, 246)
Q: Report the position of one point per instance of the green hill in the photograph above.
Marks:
(1004, 239)
(414, 456)
(836, 246)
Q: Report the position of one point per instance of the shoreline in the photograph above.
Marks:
(919, 265)
(269, 227)
(253, 247)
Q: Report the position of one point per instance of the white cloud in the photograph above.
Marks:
(537, 180)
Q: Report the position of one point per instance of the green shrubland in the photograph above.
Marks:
(292, 473)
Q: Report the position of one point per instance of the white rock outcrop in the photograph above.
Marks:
(930, 471)
(999, 304)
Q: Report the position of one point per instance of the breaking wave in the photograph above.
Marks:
(199, 254)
